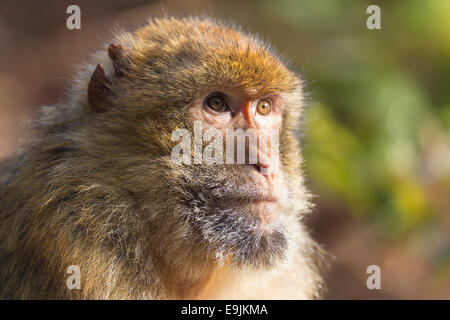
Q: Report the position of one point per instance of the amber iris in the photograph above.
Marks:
(264, 107)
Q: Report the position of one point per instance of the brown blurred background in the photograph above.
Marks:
(377, 143)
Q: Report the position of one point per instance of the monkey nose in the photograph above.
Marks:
(246, 111)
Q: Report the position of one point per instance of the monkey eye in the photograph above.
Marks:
(264, 107)
(217, 102)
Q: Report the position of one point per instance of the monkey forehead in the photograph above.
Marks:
(196, 52)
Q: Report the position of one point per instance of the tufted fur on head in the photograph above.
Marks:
(95, 185)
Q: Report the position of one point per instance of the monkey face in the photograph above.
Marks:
(217, 76)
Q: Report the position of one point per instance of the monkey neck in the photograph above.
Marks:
(207, 284)
(218, 281)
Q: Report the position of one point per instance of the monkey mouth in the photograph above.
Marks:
(252, 197)
(252, 192)
(262, 205)
(263, 199)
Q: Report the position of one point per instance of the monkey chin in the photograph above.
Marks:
(263, 240)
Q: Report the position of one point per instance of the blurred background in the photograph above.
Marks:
(377, 129)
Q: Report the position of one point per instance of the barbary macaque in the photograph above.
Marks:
(96, 186)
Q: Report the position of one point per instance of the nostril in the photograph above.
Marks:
(264, 160)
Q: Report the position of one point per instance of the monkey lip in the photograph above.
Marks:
(266, 208)
(265, 199)
(256, 198)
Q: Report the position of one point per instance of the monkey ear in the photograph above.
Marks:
(118, 58)
(98, 89)
(99, 85)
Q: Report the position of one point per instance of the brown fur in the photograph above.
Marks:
(95, 186)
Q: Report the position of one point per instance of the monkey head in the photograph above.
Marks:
(167, 76)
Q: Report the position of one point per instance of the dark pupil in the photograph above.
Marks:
(216, 103)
